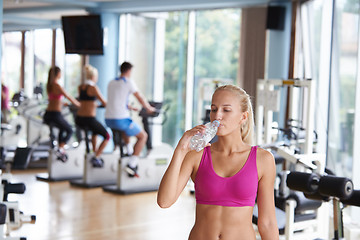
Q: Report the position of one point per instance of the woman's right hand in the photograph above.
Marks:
(184, 143)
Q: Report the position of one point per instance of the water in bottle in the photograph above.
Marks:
(199, 141)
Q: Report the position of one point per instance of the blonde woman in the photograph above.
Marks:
(85, 119)
(229, 174)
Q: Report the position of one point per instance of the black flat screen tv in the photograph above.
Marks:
(83, 34)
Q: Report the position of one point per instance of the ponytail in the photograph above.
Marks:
(247, 129)
(53, 72)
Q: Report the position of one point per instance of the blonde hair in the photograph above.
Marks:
(247, 129)
(90, 71)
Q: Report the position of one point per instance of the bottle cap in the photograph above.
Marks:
(216, 123)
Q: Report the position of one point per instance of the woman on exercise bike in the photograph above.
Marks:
(85, 119)
(53, 114)
(229, 174)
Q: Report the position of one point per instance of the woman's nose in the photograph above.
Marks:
(218, 115)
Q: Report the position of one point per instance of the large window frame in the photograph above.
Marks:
(31, 76)
(325, 81)
(185, 89)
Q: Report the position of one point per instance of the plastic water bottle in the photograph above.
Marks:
(199, 141)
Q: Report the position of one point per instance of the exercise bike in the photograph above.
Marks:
(97, 176)
(150, 168)
(64, 171)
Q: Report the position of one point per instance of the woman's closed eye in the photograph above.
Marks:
(225, 110)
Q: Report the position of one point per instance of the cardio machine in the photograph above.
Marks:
(63, 171)
(150, 168)
(97, 176)
(29, 135)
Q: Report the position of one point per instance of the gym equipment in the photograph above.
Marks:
(150, 168)
(11, 218)
(36, 131)
(96, 177)
(25, 131)
(4, 150)
(3, 215)
(327, 188)
(300, 215)
(267, 102)
(298, 139)
(64, 171)
(292, 147)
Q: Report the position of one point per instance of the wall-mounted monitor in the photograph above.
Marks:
(83, 34)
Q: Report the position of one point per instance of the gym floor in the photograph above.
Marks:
(68, 213)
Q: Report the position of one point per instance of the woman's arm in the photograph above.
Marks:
(267, 224)
(99, 96)
(179, 170)
(70, 98)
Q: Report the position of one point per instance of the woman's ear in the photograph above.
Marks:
(244, 117)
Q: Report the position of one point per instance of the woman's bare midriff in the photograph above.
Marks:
(222, 223)
(87, 109)
(54, 105)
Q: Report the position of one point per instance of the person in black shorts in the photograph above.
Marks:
(85, 119)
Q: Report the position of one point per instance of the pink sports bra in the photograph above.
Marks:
(238, 190)
(53, 96)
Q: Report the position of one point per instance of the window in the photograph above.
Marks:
(216, 55)
(29, 63)
(42, 56)
(140, 52)
(70, 65)
(316, 23)
(343, 85)
(175, 75)
(11, 60)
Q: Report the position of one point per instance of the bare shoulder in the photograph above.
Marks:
(57, 85)
(265, 162)
(194, 156)
(93, 88)
(57, 88)
(264, 155)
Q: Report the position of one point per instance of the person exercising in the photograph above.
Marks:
(229, 175)
(117, 114)
(5, 107)
(85, 118)
(53, 114)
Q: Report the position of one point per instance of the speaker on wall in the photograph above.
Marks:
(275, 18)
